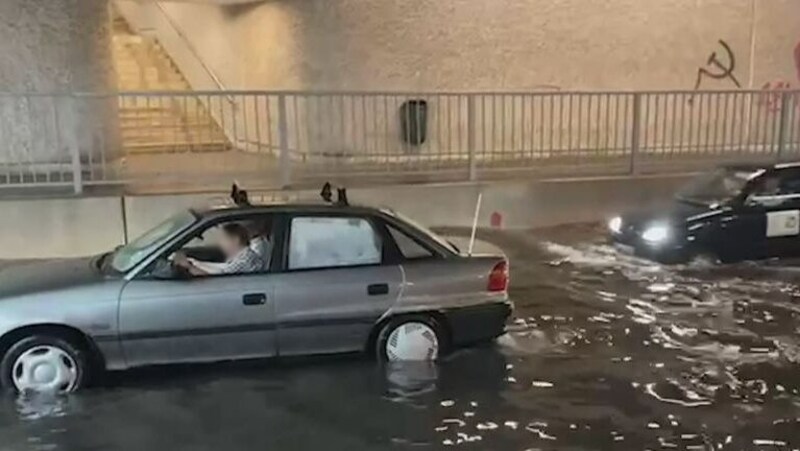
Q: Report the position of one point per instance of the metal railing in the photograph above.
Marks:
(177, 140)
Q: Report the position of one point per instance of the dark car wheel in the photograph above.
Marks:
(705, 259)
(412, 338)
(44, 363)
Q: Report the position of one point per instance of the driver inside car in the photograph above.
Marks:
(239, 257)
(261, 241)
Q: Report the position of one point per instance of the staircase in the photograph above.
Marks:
(163, 123)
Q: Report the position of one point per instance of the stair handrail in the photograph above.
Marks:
(217, 81)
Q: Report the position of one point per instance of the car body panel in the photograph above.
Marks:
(458, 290)
(438, 285)
(63, 292)
(197, 320)
(332, 310)
(47, 276)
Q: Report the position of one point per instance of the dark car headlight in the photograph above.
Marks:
(657, 234)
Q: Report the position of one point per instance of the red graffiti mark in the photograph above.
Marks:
(496, 220)
(772, 95)
(770, 98)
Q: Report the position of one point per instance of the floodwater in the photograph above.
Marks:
(604, 352)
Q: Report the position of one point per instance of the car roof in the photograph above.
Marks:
(319, 207)
(753, 167)
(790, 165)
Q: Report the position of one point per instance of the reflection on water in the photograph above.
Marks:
(605, 352)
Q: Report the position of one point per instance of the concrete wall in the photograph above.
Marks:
(54, 46)
(67, 227)
(492, 45)
(59, 227)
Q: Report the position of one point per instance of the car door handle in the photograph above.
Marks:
(254, 299)
(378, 289)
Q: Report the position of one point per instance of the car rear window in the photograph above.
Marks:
(423, 230)
(410, 249)
(333, 242)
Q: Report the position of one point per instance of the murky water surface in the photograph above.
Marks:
(605, 352)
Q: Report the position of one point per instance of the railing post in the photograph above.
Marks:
(635, 131)
(73, 144)
(77, 171)
(471, 138)
(283, 143)
(784, 124)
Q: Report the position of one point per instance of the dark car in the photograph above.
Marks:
(733, 213)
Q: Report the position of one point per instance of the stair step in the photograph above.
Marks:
(167, 139)
(128, 108)
(167, 123)
(162, 124)
(157, 113)
(197, 134)
(127, 39)
(172, 147)
(177, 142)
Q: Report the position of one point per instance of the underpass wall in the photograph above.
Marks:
(60, 227)
(84, 226)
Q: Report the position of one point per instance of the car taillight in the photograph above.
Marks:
(498, 278)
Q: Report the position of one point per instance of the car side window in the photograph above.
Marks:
(409, 248)
(790, 184)
(333, 242)
(207, 250)
(776, 190)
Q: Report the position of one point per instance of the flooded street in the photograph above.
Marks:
(604, 352)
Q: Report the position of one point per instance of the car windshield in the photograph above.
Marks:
(428, 232)
(126, 257)
(716, 187)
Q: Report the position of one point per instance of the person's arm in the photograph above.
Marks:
(190, 265)
(209, 268)
(195, 271)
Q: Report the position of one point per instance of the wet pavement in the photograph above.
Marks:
(605, 352)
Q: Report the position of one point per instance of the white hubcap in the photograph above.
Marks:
(45, 368)
(412, 342)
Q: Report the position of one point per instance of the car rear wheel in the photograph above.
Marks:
(44, 363)
(411, 338)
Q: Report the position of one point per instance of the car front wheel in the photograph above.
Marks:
(411, 338)
(44, 363)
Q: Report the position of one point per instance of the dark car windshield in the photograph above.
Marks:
(126, 257)
(717, 186)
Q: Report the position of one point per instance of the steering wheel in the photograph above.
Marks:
(179, 272)
(164, 268)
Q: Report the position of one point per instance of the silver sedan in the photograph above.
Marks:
(338, 279)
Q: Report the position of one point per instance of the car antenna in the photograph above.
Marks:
(475, 223)
(239, 196)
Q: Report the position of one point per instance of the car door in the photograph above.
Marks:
(337, 281)
(199, 319)
(768, 223)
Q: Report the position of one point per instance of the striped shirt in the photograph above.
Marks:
(245, 262)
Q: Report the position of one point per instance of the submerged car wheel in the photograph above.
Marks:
(44, 363)
(411, 338)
